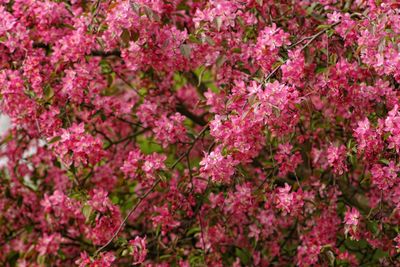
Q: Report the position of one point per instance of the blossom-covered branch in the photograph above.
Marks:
(200, 133)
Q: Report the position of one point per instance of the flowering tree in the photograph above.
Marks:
(200, 133)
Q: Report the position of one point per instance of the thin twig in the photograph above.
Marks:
(128, 215)
(121, 226)
(310, 38)
(190, 148)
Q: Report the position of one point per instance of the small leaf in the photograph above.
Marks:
(165, 256)
(320, 69)
(323, 26)
(221, 60)
(236, 50)
(105, 67)
(135, 7)
(194, 39)
(331, 257)
(210, 40)
(55, 139)
(87, 211)
(194, 230)
(48, 92)
(373, 227)
(218, 22)
(311, 8)
(243, 256)
(30, 94)
(185, 50)
(125, 37)
(201, 76)
(125, 252)
(330, 32)
(384, 161)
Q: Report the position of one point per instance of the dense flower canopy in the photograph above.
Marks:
(200, 133)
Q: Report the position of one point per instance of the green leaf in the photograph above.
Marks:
(384, 161)
(236, 50)
(55, 139)
(125, 252)
(243, 255)
(48, 92)
(193, 230)
(41, 259)
(158, 230)
(125, 37)
(30, 94)
(165, 256)
(148, 146)
(87, 211)
(121, 241)
(12, 258)
(323, 26)
(330, 32)
(320, 69)
(373, 227)
(194, 39)
(311, 8)
(105, 67)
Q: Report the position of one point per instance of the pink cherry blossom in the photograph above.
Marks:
(337, 158)
(139, 250)
(352, 221)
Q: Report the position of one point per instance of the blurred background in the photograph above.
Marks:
(4, 123)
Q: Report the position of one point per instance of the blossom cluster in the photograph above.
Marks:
(200, 133)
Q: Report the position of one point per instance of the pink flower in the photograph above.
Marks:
(397, 240)
(49, 244)
(99, 200)
(392, 125)
(368, 139)
(105, 259)
(132, 163)
(337, 158)
(384, 177)
(287, 160)
(254, 88)
(352, 221)
(352, 217)
(170, 130)
(220, 168)
(139, 250)
(288, 202)
(165, 219)
(153, 163)
(78, 147)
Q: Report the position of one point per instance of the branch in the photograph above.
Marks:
(126, 138)
(121, 226)
(99, 53)
(128, 215)
(310, 38)
(190, 148)
(185, 112)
